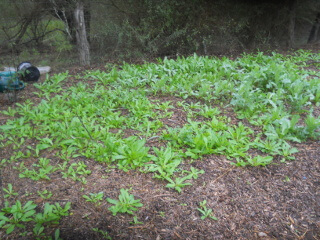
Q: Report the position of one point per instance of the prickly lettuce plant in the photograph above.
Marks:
(165, 162)
(125, 204)
(131, 154)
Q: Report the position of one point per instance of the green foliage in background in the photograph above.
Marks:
(142, 29)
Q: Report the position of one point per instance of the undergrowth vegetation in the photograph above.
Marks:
(251, 110)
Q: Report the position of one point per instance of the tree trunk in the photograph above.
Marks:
(87, 19)
(65, 12)
(313, 36)
(81, 35)
(292, 21)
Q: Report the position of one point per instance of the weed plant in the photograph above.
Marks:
(125, 204)
(95, 198)
(17, 215)
(206, 212)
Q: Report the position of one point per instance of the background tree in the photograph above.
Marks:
(151, 28)
(16, 21)
(81, 34)
(292, 5)
(315, 33)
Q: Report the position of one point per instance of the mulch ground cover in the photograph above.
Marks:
(279, 201)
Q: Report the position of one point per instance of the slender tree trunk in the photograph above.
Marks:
(87, 19)
(81, 35)
(313, 36)
(292, 22)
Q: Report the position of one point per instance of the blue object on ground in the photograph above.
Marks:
(9, 81)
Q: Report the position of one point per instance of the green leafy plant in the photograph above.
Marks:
(45, 194)
(268, 146)
(125, 204)
(287, 152)
(135, 220)
(259, 160)
(283, 129)
(131, 154)
(94, 197)
(45, 143)
(10, 112)
(39, 171)
(162, 214)
(286, 179)
(16, 215)
(193, 173)
(52, 84)
(312, 128)
(206, 212)
(165, 163)
(254, 162)
(51, 215)
(105, 234)
(209, 112)
(76, 170)
(164, 106)
(200, 139)
(10, 192)
(178, 183)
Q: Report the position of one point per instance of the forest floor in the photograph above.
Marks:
(278, 201)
